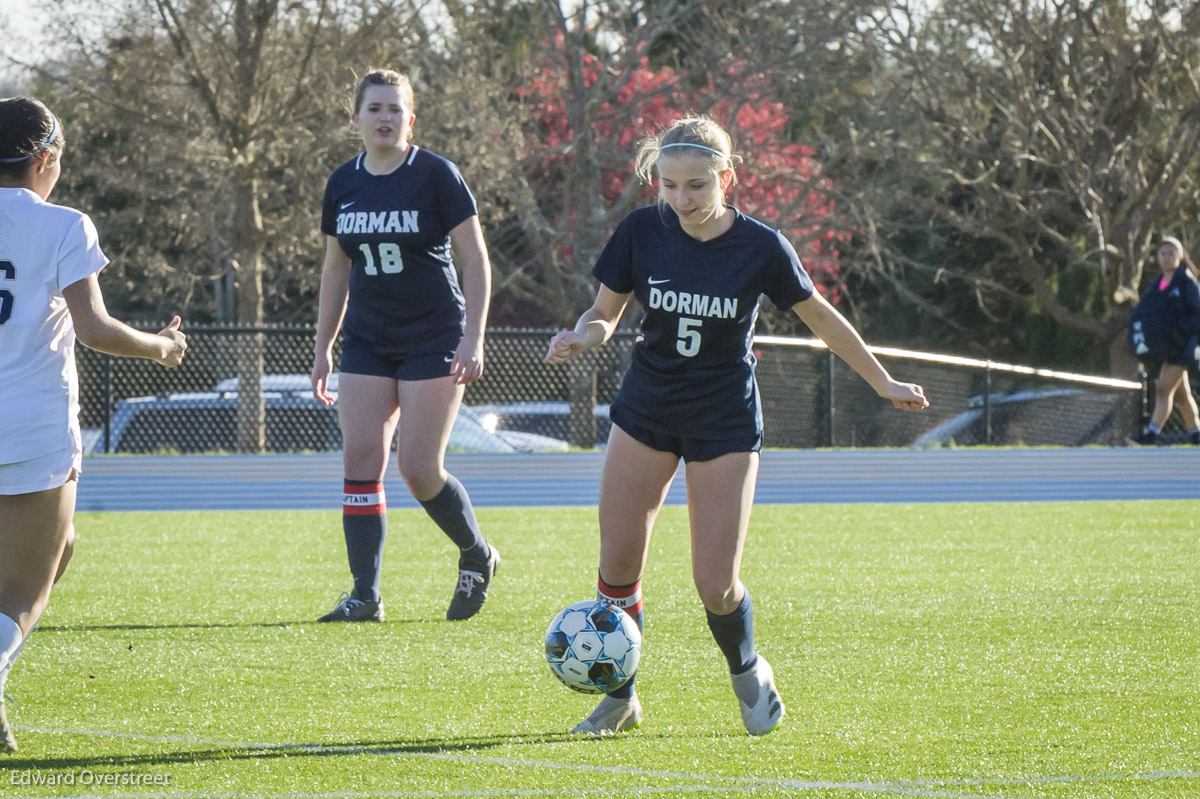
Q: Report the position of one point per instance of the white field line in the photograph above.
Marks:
(690, 783)
(396, 794)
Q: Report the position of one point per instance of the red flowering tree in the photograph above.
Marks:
(582, 119)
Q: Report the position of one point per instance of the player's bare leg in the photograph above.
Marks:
(368, 413)
(1187, 408)
(633, 488)
(428, 409)
(720, 499)
(35, 542)
(1169, 378)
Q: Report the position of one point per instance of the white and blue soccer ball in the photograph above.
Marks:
(593, 647)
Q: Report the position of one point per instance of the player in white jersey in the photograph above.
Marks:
(698, 267)
(49, 296)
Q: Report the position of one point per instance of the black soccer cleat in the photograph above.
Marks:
(1147, 439)
(351, 608)
(473, 582)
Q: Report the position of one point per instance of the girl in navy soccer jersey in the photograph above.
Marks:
(410, 341)
(49, 297)
(1172, 301)
(698, 268)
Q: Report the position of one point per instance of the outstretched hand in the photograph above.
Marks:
(907, 396)
(565, 345)
(177, 344)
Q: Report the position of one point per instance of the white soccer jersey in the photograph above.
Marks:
(43, 249)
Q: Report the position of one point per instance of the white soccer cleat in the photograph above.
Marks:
(762, 709)
(611, 716)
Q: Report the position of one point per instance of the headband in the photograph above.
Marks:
(1173, 241)
(54, 129)
(693, 144)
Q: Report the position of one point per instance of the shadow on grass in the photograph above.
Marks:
(226, 753)
(77, 628)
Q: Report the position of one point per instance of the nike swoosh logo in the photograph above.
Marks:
(344, 206)
(449, 360)
(654, 282)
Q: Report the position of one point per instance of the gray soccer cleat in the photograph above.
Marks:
(611, 716)
(762, 709)
(351, 608)
(473, 582)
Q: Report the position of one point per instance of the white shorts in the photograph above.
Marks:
(41, 473)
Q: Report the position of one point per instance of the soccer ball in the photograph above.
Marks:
(593, 647)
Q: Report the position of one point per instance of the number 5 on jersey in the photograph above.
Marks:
(8, 272)
(689, 336)
(390, 260)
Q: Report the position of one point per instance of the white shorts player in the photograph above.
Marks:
(43, 249)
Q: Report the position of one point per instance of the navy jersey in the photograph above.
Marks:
(404, 292)
(1165, 320)
(692, 372)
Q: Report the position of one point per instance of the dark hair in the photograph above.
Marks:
(384, 77)
(26, 128)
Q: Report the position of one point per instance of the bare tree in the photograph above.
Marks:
(207, 130)
(516, 58)
(1051, 142)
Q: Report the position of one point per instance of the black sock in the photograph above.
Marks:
(629, 599)
(734, 633)
(364, 524)
(451, 510)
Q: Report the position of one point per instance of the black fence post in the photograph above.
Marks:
(987, 405)
(1144, 401)
(108, 403)
(829, 365)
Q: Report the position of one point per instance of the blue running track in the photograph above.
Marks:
(300, 482)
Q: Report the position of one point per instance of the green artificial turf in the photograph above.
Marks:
(966, 650)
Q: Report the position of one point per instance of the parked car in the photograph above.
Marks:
(547, 418)
(1062, 417)
(206, 421)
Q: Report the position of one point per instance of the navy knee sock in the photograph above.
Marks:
(734, 633)
(364, 523)
(628, 598)
(451, 510)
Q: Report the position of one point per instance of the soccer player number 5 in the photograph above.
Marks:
(689, 337)
(8, 272)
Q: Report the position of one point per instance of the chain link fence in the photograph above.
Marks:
(810, 398)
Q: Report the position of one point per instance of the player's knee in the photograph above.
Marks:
(717, 593)
(423, 477)
(24, 589)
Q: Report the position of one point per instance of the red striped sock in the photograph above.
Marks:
(626, 597)
(363, 498)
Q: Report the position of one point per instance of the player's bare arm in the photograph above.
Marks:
(99, 331)
(828, 324)
(335, 288)
(594, 327)
(471, 252)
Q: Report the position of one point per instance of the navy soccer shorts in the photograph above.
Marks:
(690, 449)
(419, 366)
